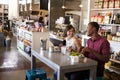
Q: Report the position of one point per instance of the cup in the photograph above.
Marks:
(63, 50)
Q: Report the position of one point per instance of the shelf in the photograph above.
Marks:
(114, 69)
(110, 24)
(105, 9)
(117, 61)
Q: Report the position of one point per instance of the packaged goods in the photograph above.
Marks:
(92, 18)
(106, 4)
(117, 3)
(100, 4)
(111, 4)
(109, 37)
(96, 5)
(100, 19)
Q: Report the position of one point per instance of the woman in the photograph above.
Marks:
(41, 21)
(72, 42)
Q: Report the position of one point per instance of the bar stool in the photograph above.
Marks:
(98, 78)
(47, 79)
(35, 73)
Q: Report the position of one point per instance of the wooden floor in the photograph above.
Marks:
(13, 65)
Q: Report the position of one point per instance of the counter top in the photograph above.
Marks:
(63, 61)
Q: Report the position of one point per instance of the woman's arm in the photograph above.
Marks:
(77, 44)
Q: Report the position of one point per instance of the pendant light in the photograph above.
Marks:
(63, 6)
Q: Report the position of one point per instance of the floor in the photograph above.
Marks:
(13, 65)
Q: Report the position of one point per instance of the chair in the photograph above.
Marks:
(35, 73)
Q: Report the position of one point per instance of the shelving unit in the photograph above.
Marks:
(105, 9)
(117, 61)
(4, 12)
(102, 12)
(113, 67)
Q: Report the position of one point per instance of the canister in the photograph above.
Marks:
(117, 3)
(106, 4)
(111, 4)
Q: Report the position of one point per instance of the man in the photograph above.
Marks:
(98, 48)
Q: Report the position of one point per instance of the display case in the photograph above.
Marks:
(27, 40)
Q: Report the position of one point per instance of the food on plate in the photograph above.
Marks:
(76, 54)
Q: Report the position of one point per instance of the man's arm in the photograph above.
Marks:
(104, 56)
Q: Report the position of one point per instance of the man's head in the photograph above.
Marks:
(92, 28)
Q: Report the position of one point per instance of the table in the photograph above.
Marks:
(62, 64)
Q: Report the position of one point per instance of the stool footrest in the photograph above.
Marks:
(36, 73)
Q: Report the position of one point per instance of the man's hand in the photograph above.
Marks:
(86, 49)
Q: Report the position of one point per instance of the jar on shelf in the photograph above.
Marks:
(109, 37)
(96, 19)
(116, 38)
(117, 3)
(119, 39)
(96, 4)
(92, 18)
(100, 19)
(111, 4)
(117, 33)
(106, 4)
(100, 3)
(113, 38)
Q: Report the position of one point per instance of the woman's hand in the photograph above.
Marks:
(69, 48)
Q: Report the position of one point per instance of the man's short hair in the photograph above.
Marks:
(95, 24)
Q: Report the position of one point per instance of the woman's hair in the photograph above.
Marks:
(0, 21)
(41, 19)
(67, 29)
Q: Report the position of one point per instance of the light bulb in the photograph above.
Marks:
(81, 5)
(63, 7)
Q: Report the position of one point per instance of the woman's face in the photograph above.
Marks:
(70, 32)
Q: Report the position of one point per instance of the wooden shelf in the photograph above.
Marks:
(114, 69)
(110, 24)
(117, 61)
(105, 9)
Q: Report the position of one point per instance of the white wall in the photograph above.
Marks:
(85, 16)
(4, 1)
(13, 10)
